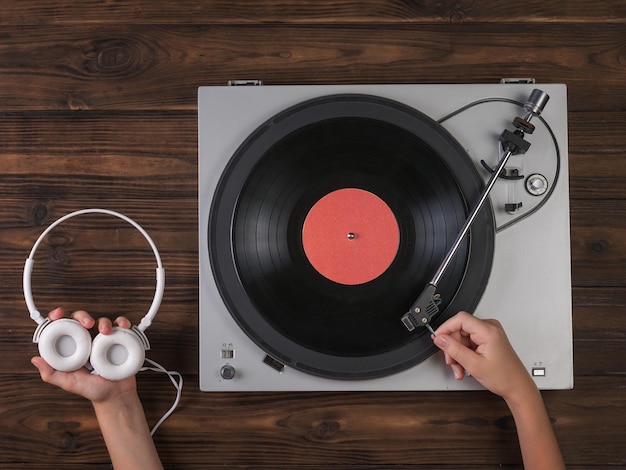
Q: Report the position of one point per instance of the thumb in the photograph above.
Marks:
(457, 351)
(45, 370)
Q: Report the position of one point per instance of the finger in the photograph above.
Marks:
(462, 337)
(469, 330)
(461, 322)
(449, 359)
(458, 371)
(45, 370)
(104, 326)
(56, 314)
(64, 380)
(122, 322)
(83, 318)
(457, 351)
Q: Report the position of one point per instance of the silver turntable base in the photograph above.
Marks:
(529, 288)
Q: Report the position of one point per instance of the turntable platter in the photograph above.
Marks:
(337, 162)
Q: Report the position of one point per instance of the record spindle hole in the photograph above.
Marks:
(350, 236)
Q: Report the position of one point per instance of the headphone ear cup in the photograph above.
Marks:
(65, 345)
(118, 355)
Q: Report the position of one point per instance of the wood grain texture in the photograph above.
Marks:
(116, 67)
(98, 108)
(329, 429)
(308, 11)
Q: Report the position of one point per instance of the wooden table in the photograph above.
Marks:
(98, 108)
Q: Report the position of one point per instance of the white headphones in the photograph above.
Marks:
(67, 346)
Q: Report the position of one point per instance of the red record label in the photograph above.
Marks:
(350, 236)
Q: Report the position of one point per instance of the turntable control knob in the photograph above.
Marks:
(227, 372)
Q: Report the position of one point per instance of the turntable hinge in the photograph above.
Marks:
(245, 82)
(517, 81)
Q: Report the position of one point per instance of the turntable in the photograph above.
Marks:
(324, 212)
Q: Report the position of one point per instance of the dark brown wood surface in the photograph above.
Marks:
(98, 108)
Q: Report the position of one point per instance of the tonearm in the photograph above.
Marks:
(426, 306)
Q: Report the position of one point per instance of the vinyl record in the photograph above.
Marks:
(333, 163)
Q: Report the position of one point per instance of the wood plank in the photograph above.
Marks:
(599, 313)
(598, 242)
(341, 430)
(48, 142)
(308, 12)
(598, 247)
(160, 67)
(111, 150)
(599, 332)
(125, 156)
(90, 142)
(598, 327)
(175, 344)
(261, 466)
(597, 155)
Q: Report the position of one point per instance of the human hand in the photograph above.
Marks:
(81, 382)
(482, 348)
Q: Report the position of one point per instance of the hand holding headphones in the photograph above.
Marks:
(67, 346)
(81, 382)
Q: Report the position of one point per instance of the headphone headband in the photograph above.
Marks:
(146, 321)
